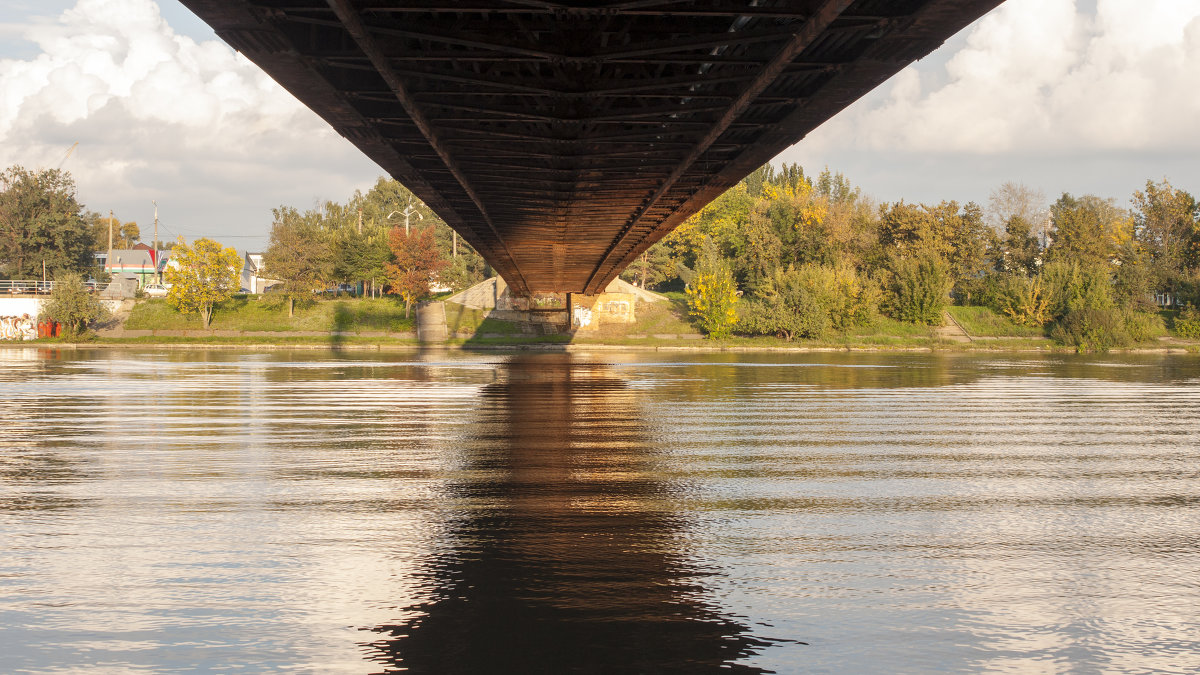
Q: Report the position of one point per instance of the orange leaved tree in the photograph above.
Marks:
(416, 264)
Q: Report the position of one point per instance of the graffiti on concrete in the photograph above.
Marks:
(616, 307)
(17, 328)
(582, 317)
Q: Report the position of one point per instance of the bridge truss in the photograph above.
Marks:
(563, 138)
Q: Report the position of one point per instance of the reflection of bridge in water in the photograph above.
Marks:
(567, 557)
(563, 138)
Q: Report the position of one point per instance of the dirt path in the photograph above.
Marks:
(951, 330)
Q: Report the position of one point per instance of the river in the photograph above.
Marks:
(449, 512)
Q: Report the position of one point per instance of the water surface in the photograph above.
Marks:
(439, 512)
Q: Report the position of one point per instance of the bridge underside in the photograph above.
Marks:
(562, 139)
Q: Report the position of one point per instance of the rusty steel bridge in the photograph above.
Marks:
(562, 139)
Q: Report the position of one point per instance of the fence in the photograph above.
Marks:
(34, 287)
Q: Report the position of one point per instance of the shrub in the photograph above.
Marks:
(1187, 324)
(1092, 330)
(1144, 326)
(920, 289)
(1022, 300)
(764, 317)
(1070, 286)
(72, 306)
(855, 299)
(810, 301)
(982, 291)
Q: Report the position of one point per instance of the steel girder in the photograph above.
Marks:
(562, 139)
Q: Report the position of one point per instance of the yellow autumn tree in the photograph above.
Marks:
(201, 275)
(712, 294)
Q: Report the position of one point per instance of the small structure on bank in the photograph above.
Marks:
(139, 263)
(558, 312)
(253, 279)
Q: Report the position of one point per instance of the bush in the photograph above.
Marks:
(855, 300)
(983, 291)
(72, 306)
(1023, 300)
(1144, 326)
(810, 301)
(1092, 330)
(1187, 324)
(759, 317)
(1070, 286)
(920, 289)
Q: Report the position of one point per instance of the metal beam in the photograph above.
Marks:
(349, 17)
(801, 39)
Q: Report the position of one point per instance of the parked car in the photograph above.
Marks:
(155, 290)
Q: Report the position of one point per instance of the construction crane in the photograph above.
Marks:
(66, 156)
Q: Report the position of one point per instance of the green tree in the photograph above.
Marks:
(1167, 227)
(297, 255)
(1071, 286)
(916, 229)
(920, 289)
(652, 267)
(1087, 229)
(835, 187)
(416, 263)
(792, 303)
(41, 223)
(202, 275)
(1018, 250)
(970, 243)
(124, 235)
(811, 300)
(71, 305)
(465, 266)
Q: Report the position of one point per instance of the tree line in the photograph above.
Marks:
(386, 240)
(782, 253)
(788, 254)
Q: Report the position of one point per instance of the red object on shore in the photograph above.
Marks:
(57, 328)
(41, 329)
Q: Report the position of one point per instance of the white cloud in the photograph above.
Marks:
(161, 116)
(1044, 76)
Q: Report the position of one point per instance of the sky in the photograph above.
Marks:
(1080, 96)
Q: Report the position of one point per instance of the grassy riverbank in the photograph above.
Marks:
(364, 323)
(249, 314)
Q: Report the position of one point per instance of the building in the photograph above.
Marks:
(131, 263)
(253, 280)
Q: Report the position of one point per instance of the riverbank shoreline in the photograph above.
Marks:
(336, 343)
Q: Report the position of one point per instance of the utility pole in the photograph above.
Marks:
(109, 261)
(155, 256)
(454, 233)
(360, 220)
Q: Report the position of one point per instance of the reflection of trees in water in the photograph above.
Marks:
(709, 376)
(568, 558)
